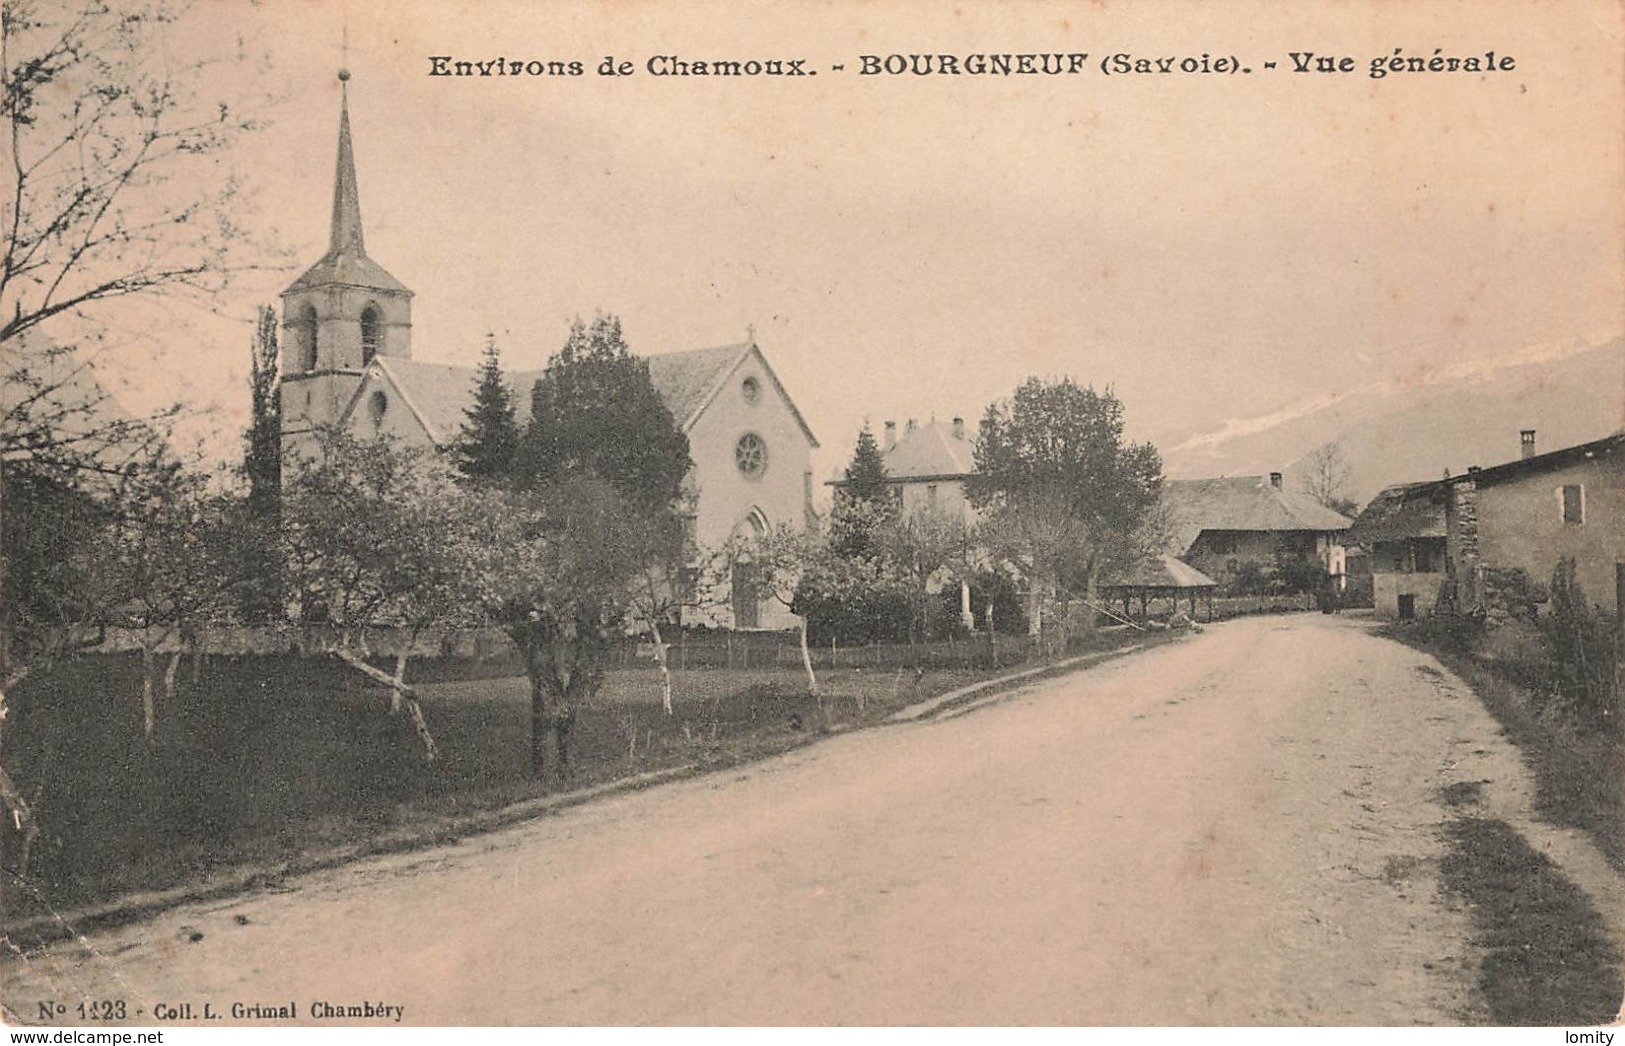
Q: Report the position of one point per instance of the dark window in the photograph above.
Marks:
(1574, 504)
(1427, 555)
(372, 334)
(377, 406)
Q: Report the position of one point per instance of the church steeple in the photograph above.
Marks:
(346, 233)
(345, 310)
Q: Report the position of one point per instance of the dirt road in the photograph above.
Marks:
(1238, 829)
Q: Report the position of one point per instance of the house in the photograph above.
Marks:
(928, 467)
(1227, 526)
(1479, 542)
(348, 362)
(927, 470)
(1404, 527)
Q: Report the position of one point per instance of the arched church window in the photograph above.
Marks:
(372, 333)
(307, 338)
(376, 406)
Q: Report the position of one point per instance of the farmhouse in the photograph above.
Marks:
(1228, 525)
(348, 362)
(1480, 542)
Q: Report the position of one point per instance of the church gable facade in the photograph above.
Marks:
(348, 363)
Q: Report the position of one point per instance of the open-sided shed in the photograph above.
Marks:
(1162, 576)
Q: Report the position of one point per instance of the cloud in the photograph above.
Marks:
(1424, 377)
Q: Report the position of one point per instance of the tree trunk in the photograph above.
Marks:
(169, 675)
(16, 807)
(22, 820)
(806, 662)
(562, 722)
(665, 668)
(431, 751)
(149, 683)
(539, 720)
(400, 681)
(196, 641)
(1090, 598)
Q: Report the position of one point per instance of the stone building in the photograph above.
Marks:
(1479, 543)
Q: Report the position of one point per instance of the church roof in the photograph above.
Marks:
(1242, 503)
(688, 380)
(346, 260)
(438, 394)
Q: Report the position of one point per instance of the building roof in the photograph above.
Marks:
(930, 452)
(687, 381)
(1163, 571)
(346, 260)
(439, 394)
(1556, 459)
(1249, 503)
(1417, 510)
(1406, 510)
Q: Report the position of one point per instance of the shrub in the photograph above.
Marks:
(1580, 648)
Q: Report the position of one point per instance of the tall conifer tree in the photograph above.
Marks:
(489, 438)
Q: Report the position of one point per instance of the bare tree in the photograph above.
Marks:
(1326, 473)
(377, 534)
(798, 568)
(110, 190)
(114, 189)
(166, 558)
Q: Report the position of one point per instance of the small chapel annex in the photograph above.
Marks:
(347, 362)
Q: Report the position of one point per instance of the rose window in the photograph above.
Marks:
(750, 454)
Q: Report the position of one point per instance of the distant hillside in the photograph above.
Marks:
(1398, 435)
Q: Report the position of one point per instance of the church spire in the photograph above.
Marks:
(346, 233)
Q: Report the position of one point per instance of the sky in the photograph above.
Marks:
(1220, 249)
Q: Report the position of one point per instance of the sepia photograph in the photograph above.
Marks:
(812, 514)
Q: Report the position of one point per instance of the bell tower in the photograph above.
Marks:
(344, 311)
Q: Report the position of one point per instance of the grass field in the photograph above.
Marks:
(263, 761)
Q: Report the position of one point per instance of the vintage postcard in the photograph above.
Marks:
(822, 513)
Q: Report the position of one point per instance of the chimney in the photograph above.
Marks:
(911, 426)
(1526, 438)
(1275, 480)
(1472, 470)
(959, 428)
(891, 435)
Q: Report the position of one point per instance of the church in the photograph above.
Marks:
(347, 361)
